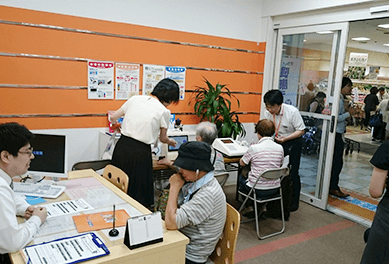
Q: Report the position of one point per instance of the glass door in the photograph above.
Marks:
(308, 71)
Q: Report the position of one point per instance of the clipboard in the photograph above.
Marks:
(143, 230)
(66, 250)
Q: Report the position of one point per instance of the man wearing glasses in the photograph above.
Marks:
(15, 157)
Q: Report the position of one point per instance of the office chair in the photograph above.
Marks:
(93, 164)
(116, 176)
(271, 174)
(225, 249)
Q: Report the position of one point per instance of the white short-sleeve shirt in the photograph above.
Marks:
(143, 118)
(290, 119)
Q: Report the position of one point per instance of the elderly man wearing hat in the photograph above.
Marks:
(196, 204)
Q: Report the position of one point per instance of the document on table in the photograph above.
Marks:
(66, 250)
(66, 207)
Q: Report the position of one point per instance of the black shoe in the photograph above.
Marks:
(294, 208)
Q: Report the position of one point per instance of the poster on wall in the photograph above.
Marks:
(177, 74)
(357, 65)
(127, 80)
(152, 74)
(289, 79)
(100, 80)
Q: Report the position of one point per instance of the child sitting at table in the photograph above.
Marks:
(15, 157)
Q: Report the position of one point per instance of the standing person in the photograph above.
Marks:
(289, 127)
(371, 102)
(197, 204)
(337, 163)
(379, 133)
(145, 118)
(377, 247)
(15, 157)
(381, 94)
(317, 104)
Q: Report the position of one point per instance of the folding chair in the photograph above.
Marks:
(270, 174)
(93, 164)
(221, 178)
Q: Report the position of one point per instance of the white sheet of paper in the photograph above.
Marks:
(66, 207)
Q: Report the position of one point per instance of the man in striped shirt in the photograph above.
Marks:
(197, 204)
(266, 154)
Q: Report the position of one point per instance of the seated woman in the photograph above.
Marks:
(196, 205)
(266, 154)
(317, 104)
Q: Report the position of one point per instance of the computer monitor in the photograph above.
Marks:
(50, 156)
(180, 140)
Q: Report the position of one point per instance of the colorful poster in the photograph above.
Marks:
(177, 74)
(152, 74)
(100, 80)
(289, 80)
(127, 80)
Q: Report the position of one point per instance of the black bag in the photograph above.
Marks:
(376, 120)
(274, 207)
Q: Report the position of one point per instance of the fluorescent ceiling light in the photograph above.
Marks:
(325, 32)
(361, 39)
(305, 40)
(383, 26)
(387, 45)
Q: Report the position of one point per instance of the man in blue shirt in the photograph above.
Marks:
(344, 112)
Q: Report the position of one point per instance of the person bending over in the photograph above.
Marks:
(264, 155)
(196, 205)
(15, 157)
(145, 119)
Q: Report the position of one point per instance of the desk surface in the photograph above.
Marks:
(171, 250)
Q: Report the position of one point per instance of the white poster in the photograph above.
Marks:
(127, 80)
(358, 59)
(178, 75)
(289, 80)
(100, 80)
(152, 74)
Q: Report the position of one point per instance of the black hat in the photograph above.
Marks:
(194, 155)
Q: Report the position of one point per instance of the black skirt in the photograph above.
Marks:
(134, 158)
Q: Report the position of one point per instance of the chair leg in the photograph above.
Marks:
(283, 222)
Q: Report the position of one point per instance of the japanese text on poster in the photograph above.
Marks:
(127, 80)
(177, 74)
(152, 74)
(289, 79)
(100, 80)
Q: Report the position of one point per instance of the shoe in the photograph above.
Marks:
(294, 208)
(339, 193)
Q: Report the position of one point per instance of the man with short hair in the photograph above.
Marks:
(289, 127)
(15, 157)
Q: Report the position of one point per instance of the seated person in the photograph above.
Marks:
(205, 132)
(266, 154)
(15, 157)
(196, 205)
(317, 104)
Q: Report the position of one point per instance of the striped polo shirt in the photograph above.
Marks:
(266, 154)
(202, 219)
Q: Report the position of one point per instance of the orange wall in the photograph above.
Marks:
(33, 71)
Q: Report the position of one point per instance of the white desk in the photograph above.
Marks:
(171, 250)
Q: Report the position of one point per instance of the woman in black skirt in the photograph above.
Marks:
(145, 119)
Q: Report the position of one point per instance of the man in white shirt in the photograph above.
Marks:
(15, 157)
(289, 127)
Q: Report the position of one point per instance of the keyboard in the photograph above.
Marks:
(38, 189)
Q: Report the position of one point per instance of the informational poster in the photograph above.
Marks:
(289, 79)
(127, 80)
(177, 74)
(152, 74)
(100, 80)
(357, 65)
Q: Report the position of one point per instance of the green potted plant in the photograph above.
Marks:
(213, 103)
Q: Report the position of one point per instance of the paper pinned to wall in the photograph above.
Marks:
(178, 75)
(152, 74)
(100, 80)
(127, 80)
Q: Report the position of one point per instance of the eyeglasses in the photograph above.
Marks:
(28, 152)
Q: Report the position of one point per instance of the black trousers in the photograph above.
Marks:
(293, 149)
(4, 259)
(337, 162)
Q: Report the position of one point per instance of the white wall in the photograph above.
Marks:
(223, 18)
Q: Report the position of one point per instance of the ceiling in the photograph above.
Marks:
(368, 28)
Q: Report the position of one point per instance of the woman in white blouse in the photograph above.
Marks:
(145, 119)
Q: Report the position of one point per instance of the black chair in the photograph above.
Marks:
(93, 164)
